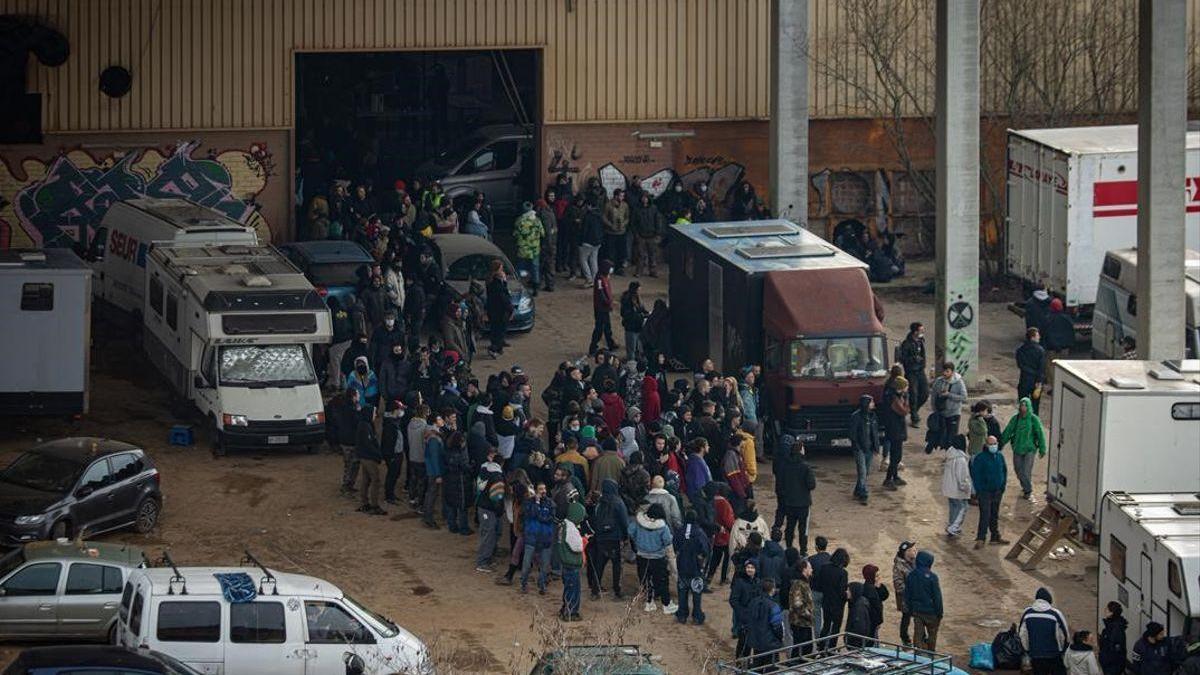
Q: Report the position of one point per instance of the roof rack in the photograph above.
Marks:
(267, 577)
(176, 578)
(832, 656)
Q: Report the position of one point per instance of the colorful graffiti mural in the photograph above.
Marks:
(61, 201)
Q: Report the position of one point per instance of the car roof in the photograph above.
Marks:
(86, 655)
(455, 246)
(83, 448)
(123, 554)
(202, 583)
(330, 251)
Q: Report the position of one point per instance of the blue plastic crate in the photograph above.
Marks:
(181, 434)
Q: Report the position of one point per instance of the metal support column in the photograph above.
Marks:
(789, 109)
(1162, 127)
(956, 326)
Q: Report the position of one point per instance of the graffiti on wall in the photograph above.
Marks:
(960, 336)
(884, 199)
(60, 201)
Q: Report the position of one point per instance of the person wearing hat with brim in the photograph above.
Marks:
(528, 232)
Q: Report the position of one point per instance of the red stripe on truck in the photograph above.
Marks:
(1119, 197)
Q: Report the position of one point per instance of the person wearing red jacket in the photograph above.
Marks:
(651, 400)
(725, 519)
(614, 408)
(602, 304)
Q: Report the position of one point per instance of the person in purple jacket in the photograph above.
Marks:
(697, 473)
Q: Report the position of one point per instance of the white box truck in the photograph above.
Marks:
(232, 328)
(131, 228)
(1128, 426)
(1072, 196)
(46, 334)
(1114, 319)
(1150, 561)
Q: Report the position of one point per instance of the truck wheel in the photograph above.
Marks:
(147, 515)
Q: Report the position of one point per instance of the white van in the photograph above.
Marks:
(1114, 321)
(118, 250)
(288, 624)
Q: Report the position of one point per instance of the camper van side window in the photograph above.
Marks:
(1116, 558)
(257, 623)
(189, 621)
(172, 311)
(37, 297)
(1174, 582)
(156, 295)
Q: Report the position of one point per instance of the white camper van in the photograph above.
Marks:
(232, 328)
(124, 238)
(1127, 426)
(1114, 321)
(240, 620)
(1150, 560)
(45, 332)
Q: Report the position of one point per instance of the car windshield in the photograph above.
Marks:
(334, 274)
(475, 266)
(839, 357)
(460, 150)
(266, 366)
(44, 472)
(379, 623)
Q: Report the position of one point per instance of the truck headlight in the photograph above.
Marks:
(315, 418)
(234, 420)
(30, 520)
(524, 304)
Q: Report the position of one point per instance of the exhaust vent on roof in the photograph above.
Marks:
(1165, 373)
(1188, 366)
(235, 250)
(736, 231)
(1187, 508)
(1125, 383)
(766, 251)
(255, 281)
(235, 270)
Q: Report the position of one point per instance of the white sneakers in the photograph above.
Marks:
(650, 606)
(671, 608)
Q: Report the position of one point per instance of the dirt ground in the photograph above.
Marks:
(285, 508)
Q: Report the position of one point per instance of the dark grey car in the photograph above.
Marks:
(81, 484)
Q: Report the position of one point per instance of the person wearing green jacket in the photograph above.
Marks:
(1027, 436)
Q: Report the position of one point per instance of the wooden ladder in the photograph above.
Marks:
(1060, 526)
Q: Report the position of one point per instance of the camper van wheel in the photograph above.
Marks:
(219, 447)
(61, 530)
(147, 515)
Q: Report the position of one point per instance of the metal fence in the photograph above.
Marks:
(862, 656)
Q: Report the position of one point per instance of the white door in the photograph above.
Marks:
(261, 640)
(332, 632)
(1147, 590)
(1069, 423)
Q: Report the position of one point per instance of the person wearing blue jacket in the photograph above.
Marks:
(923, 593)
(692, 549)
(989, 475)
(651, 537)
(1045, 635)
(537, 515)
(435, 470)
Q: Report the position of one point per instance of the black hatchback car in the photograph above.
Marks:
(92, 484)
(95, 659)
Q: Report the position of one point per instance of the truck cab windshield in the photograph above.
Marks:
(838, 357)
(265, 366)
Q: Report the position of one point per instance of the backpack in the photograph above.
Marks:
(605, 518)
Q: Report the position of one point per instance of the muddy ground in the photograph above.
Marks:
(285, 507)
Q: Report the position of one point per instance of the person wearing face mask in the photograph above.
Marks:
(395, 373)
(360, 346)
(363, 380)
(912, 357)
(384, 337)
(989, 475)
(671, 202)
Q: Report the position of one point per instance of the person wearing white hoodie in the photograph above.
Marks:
(1080, 657)
(956, 485)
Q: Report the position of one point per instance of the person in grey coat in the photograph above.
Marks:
(949, 395)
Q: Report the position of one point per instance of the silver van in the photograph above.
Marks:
(493, 160)
(55, 590)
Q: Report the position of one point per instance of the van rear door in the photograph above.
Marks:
(261, 639)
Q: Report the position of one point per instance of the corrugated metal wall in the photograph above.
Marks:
(229, 63)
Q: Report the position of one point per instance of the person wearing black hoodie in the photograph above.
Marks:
(794, 483)
(831, 582)
(499, 309)
(1112, 640)
(366, 445)
(742, 593)
(691, 552)
(864, 440)
(391, 446)
(858, 621)
(1151, 653)
(610, 521)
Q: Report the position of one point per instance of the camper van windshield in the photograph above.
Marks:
(382, 625)
(839, 357)
(266, 366)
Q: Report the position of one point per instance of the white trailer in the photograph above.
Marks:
(232, 329)
(1150, 561)
(1072, 196)
(1114, 319)
(45, 311)
(1130, 426)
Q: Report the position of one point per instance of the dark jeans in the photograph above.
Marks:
(989, 515)
(801, 634)
(905, 622)
(652, 572)
(918, 391)
(456, 518)
(433, 495)
(719, 558)
(925, 631)
(1048, 665)
(394, 466)
(497, 330)
(895, 454)
(615, 248)
(605, 552)
(796, 518)
(602, 328)
(831, 624)
(687, 596)
(570, 601)
(416, 482)
(949, 430)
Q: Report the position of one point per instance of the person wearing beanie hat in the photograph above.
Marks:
(1151, 653)
(1044, 634)
(893, 409)
(875, 593)
(607, 465)
(651, 538)
(528, 233)
(570, 555)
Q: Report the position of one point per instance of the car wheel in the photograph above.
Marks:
(147, 515)
(61, 530)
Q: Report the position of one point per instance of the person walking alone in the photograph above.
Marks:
(912, 357)
(1028, 438)
(864, 440)
(1031, 364)
(602, 305)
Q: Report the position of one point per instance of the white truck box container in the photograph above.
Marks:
(45, 332)
(1150, 561)
(1072, 196)
(1122, 426)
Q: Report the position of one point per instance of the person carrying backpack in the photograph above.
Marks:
(691, 553)
(610, 520)
(570, 553)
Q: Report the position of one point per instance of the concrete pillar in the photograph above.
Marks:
(1162, 127)
(789, 110)
(956, 325)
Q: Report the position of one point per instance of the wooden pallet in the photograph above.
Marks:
(1039, 544)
